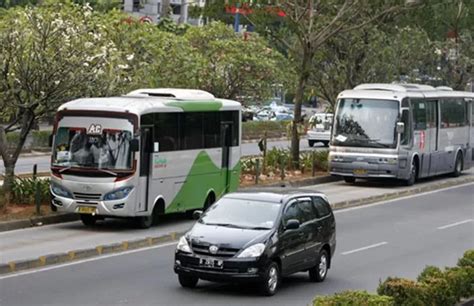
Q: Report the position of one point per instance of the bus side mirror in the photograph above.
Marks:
(400, 127)
(134, 145)
(50, 140)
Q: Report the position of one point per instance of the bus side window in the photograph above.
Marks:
(406, 136)
(419, 115)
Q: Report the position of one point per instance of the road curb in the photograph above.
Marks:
(75, 255)
(37, 221)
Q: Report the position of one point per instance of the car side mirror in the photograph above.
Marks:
(292, 224)
(197, 214)
(400, 127)
(134, 145)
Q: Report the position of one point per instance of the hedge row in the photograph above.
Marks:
(433, 286)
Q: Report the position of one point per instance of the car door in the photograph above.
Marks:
(325, 224)
(310, 232)
(292, 242)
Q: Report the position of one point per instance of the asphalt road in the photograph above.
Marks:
(396, 238)
(25, 164)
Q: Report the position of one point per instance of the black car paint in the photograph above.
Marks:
(294, 250)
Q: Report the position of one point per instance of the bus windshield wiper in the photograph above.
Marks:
(107, 171)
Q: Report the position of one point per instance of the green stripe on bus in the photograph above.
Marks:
(196, 106)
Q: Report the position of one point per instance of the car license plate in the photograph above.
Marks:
(211, 263)
(360, 172)
(86, 210)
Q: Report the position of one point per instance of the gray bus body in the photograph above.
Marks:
(404, 132)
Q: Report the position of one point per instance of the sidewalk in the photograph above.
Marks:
(29, 243)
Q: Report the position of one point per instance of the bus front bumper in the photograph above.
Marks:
(367, 170)
(118, 208)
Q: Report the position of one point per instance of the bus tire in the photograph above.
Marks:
(209, 201)
(326, 143)
(458, 165)
(144, 222)
(88, 220)
(413, 173)
(311, 143)
(349, 179)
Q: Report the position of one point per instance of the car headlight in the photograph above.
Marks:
(252, 251)
(118, 194)
(183, 245)
(60, 191)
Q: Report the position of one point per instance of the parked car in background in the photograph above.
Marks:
(320, 128)
(259, 237)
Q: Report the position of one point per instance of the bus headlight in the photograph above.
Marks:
(118, 194)
(60, 191)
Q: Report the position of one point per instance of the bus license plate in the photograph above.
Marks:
(360, 172)
(86, 210)
(211, 263)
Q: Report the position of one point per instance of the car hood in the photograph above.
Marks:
(228, 237)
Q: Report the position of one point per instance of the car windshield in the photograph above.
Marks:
(366, 123)
(242, 213)
(105, 149)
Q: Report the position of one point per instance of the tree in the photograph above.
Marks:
(48, 55)
(304, 26)
(377, 54)
(234, 65)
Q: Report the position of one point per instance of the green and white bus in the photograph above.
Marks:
(148, 153)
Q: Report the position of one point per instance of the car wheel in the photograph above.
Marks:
(318, 273)
(144, 222)
(187, 281)
(458, 165)
(88, 220)
(311, 143)
(271, 280)
(349, 179)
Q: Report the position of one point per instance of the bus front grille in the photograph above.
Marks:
(87, 196)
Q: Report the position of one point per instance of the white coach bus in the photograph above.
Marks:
(151, 152)
(403, 131)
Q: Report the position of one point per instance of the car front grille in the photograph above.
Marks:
(203, 249)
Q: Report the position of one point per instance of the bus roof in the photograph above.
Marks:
(144, 101)
(400, 91)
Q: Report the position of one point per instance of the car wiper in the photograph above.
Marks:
(224, 225)
(259, 228)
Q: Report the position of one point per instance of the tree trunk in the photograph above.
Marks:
(302, 81)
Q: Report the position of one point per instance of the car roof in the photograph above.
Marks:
(273, 195)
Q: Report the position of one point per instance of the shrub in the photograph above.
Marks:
(467, 260)
(40, 139)
(354, 298)
(24, 190)
(403, 291)
(461, 281)
(256, 129)
(438, 291)
(428, 272)
(12, 139)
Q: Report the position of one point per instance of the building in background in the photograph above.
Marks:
(153, 10)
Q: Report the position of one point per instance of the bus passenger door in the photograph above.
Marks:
(431, 138)
(145, 169)
(226, 136)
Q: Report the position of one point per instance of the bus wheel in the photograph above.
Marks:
(349, 179)
(311, 143)
(88, 220)
(144, 221)
(326, 143)
(458, 165)
(209, 201)
(413, 174)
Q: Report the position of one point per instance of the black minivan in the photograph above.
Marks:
(259, 237)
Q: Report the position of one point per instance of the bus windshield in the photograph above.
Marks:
(366, 123)
(80, 147)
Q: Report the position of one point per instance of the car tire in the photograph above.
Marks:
(319, 272)
(311, 143)
(458, 165)
(349, 179)
(271, 280)
(187, 281)
(88, 220)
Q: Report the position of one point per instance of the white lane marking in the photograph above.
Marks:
(15, 274)
(455, 224)
(400, 198)
(365, 248)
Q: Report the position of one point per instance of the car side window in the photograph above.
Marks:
(321, 206)
(293, 211)
(308, 212)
